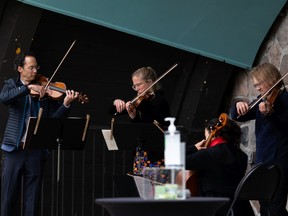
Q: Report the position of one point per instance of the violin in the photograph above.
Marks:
(139, 100)
(54, 90)
(269, 100)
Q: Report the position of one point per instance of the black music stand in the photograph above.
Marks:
(57, 134)
(146, 135)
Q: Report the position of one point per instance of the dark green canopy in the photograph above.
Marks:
(226, 30)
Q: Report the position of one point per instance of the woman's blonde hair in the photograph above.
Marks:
(147, 73)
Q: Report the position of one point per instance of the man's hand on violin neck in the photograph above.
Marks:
(70, 96)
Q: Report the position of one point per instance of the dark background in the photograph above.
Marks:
(100, 65)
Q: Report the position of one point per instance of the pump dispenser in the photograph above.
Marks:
(172, 152)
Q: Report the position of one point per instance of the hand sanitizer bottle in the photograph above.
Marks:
(172, 152)
(174, 157)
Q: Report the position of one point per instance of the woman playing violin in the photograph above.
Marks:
(149, 107)
(152, 106)
(271, 127)
(220, 166)
(21, 163)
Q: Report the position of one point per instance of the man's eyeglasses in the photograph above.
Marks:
(34, 67)
(257, 85)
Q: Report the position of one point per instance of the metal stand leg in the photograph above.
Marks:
(58, 178)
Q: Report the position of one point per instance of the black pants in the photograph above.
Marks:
(28, 164)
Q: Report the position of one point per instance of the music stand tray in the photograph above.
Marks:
(48, 133)
(129, 135)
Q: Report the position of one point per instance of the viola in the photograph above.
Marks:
(54, 90)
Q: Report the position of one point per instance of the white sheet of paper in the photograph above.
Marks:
(111, 143)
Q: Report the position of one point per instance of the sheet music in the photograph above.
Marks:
(110, 141)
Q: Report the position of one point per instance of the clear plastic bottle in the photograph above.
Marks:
(173, 149)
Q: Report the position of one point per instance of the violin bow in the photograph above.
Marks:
(49, 81)
(157, 124)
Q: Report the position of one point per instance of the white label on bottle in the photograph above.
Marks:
(172, 153)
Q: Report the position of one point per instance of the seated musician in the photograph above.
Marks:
(220, 165)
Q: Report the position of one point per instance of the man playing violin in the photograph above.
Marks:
(271, 127)
(151, 106)
(20, 162)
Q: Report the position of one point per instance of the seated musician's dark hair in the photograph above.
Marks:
(231, 132)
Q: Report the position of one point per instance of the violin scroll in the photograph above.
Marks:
(82, 98)
(222, 122)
